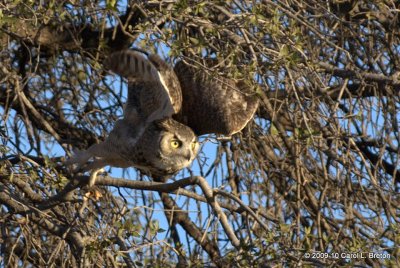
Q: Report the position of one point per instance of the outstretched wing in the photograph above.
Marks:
(213, 105)
(154, 91)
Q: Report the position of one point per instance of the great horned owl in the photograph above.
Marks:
(162, 108)
(146, 137)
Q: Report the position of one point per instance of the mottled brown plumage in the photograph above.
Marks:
(213, 104)
(146, 137)
(151, 151)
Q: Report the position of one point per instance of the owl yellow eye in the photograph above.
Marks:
(175, 144)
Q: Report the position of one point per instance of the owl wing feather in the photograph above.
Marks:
(213, 105)
(157, 92)
(153, 88)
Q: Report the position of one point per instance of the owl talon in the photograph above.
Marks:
(93, 176)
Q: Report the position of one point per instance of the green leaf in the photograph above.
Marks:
(135, 234)
(194, 41)
(285, 228)
(161, 230)
(273, 130)
(111, 5)
(284, 51)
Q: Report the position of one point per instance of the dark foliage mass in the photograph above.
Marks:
(312, 180)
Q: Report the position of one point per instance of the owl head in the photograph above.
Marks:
(169, 147)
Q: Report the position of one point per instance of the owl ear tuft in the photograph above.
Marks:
(162, 124)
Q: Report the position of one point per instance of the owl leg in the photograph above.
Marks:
(80, 159)
(97, 163)
(96, 166)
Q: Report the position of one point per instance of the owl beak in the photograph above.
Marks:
(195, 146)
(188, 156)
(193, 152)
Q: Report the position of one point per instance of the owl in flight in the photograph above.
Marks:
(165, 110)
(146, 137)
